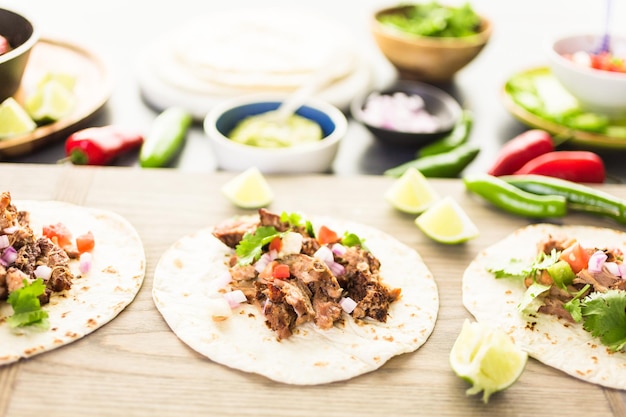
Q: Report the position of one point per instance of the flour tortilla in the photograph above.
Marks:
(115, 277)
(557, 343)
(269, 50)
(182, 291)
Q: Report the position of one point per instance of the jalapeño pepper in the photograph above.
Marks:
(442, 165)
(579, 197)
(166, 138)
(456, 138)
(515, 200)
(100, 145)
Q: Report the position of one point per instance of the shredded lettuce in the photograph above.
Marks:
(26, 306)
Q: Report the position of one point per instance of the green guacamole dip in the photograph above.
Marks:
(260, 130)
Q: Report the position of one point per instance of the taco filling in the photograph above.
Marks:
(295, 275)
(576, 284)
(560, 292)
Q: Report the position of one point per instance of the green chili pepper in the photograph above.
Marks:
(579, 197)
(515, 200)
(166, 138)
(442, 165)
(456, 138)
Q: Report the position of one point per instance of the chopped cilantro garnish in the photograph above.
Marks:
(516, 268)
(532, 292)
(294, 219)
(350, 239)
(251, 245)
(573, 305)
(604, 316)
(26, 306)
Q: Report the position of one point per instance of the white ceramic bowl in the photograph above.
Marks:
(306, 158)
(597, 90)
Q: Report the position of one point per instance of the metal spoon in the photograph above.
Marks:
(605, 42)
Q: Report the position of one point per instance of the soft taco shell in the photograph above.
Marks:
(310, 356)
(116, 274)
(557, 343)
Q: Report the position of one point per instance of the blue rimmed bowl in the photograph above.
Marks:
(311, 157)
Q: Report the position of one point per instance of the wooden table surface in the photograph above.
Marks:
(135, 366)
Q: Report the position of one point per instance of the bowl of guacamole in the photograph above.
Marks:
(242, 133)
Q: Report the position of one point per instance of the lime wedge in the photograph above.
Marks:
(487, 358)
(411, 193)
(446, 222)
(50, 102)
(14, 120)
(248, 189)
(67, 80)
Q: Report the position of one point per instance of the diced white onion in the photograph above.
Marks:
(4, 241)
(291, 243)
(596, 261)
(44, 272)
(219, 309)
(612, 268)
(347, 304)
(235, 298)
(10, 230)
(622, 270)
(84, 262)
(264, 260)
(338, 249)
(325, 254)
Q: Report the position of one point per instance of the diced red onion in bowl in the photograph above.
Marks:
(400, 112)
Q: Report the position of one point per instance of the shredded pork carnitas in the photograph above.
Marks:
(602, 281)
(31, 251)
(311, 292)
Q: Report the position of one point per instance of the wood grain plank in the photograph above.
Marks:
(137, 366)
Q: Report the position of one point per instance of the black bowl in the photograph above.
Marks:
(22, 36)
(436, 101)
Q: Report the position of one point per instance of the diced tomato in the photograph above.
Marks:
(326, 235)
(59, 234)
(280, 271)
(576, 256)
(276, 244)
(85, 242)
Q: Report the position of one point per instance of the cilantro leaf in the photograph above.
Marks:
(251, 245)
(26, 306)
(351, 239)
(573, 305)
(516, 268)
(294, 219)
(604, 316)
(532, 292)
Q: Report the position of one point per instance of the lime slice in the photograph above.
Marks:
(50, 102)
(14, 120)
(67, 80)
(446, 222)
(487, 358)
(411, 193)
(249, 189)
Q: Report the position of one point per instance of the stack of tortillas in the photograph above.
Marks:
(248, 51)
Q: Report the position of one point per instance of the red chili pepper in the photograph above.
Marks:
(100, 145)
(521, 149)
(576, 166)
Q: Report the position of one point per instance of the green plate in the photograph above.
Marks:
(536, 98)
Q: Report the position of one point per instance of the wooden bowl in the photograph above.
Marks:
(425, 58)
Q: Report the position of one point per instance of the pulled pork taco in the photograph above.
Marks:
(560, 291)
(297, 301)
(65, 271)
